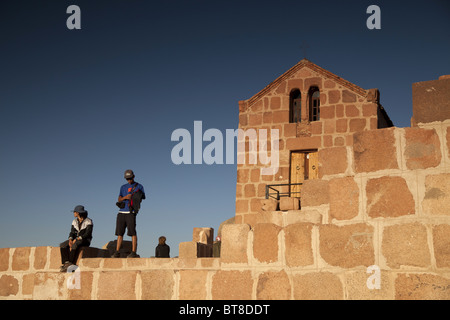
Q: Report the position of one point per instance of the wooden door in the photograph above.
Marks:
(297, 172)
(313, 165)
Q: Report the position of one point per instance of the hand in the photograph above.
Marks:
(127, 197)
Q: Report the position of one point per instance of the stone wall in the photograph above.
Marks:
(384, 205)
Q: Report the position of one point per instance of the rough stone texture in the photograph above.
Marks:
(406, 245)
(193, 284)
(317, 286)
(234, 243)
(269, 204)
(118, 285)
(422, 149)
(314, 193)
(40, 257)
(332, 161)
(298, 245)
(232, 285)
(422, 287)
(389, 197)
(441, 244)
(157, 284)
(374, 150)
(347, 246)
(301, 216)
(49, 286)
(4, 259)
(273, 285)
(431, 101)
(9, 286)
(187, 250)
(344, 198)
(437, 195)
(289, 203)
(21, 259)
(85, 290)
(265, 242)
(357, 288)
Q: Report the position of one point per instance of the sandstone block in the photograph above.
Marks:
(431, 101)
(4, 259)
(348, 96)
(422, 149)
(192, 284)
(21, 259)
(344, 198)
(40, 258)
(356, 285)
(302, 216)
(315, 192)
(347, 246)
(273, 285)
(374, 150)
(234, 243)
(437, 194)
(441, 244)
(232, 285)
(389, 197)
(317, 286)
(269, 205)
(298, 245)
(289, 203)
(332, 161)
(9, 286)
(49, 286)
(421, 286)
(157, 284)
(85, 287)
(265, 242)
(187, 250)
(406, 245)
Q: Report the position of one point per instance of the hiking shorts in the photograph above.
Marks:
(128, 221)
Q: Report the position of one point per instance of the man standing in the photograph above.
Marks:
(126, 218)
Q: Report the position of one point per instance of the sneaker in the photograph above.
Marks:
(116, 254)
(65, 266)
(133, 255)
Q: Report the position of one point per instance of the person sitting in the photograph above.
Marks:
(162, 250)
(80, 236)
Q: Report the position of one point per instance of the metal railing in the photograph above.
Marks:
(272, 187)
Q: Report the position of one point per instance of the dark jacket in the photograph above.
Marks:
(162, 251)
(136, 199)
(83, 229)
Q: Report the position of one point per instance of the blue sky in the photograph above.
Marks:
(78, 107)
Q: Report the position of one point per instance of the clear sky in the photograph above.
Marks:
(79, 107)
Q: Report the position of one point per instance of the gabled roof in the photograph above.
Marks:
(304, 63)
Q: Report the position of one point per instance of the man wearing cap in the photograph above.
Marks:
(80, 235)
(126, 218)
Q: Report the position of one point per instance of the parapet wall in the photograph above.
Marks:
(376, 225)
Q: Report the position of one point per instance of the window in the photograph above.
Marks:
(295, 106)
(314, 104)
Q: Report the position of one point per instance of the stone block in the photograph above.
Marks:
(303, 143)
(437, 195)
(157, 284)
(441, 244)
(193, 284)
(111, 247)
(21, 259)
(389, 197)
(431, 101)
(317, 286)
(347, 246)
(422, 286)
(49, 285)
(302, 216)
(298, 245)
(120, 285)
(40, 258)
(273, 285)
(234, 243)
(9, 286)
(289, 203)
(332, 161)
(232, 285)
(422, 149)
(374, 150)
(55, 258)
(203, 235)
(357, 288)
(344, 198)
(315, 193)
(187, 250)
(348, 96)
(406, 245)
(4, 259)
(85, 287)
(265, 242)
(269, 205)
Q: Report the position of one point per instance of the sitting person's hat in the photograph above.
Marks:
(79, 209)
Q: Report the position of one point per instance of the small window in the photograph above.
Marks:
(295, 106)
(314, 104)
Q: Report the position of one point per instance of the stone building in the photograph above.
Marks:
(314, 110)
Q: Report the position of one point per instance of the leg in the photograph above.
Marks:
(134, 243)
(65, 249)
(119, 242)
